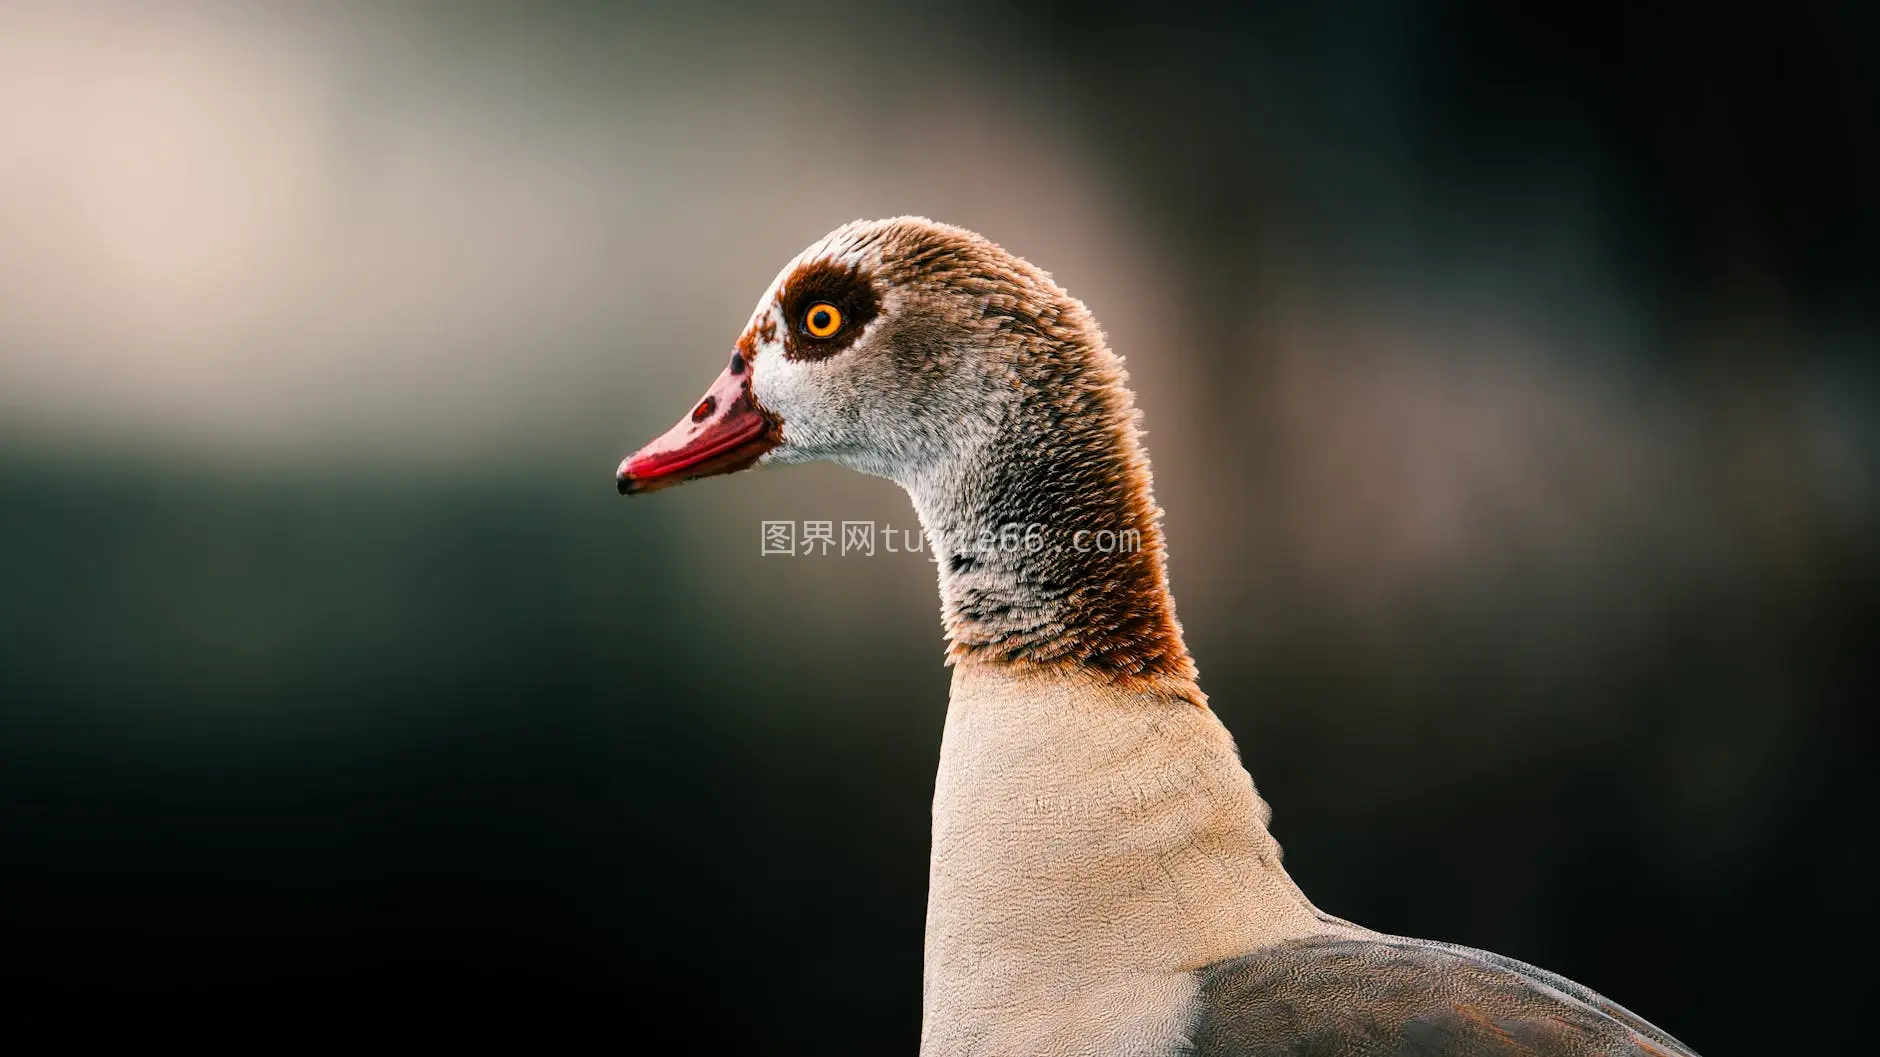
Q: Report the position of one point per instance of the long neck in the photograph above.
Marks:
(1095, 836)
(1047, 537)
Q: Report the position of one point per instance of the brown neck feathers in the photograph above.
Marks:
(1049, 546)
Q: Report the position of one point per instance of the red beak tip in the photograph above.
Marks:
(724, 433)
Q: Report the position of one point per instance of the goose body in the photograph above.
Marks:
(1102, 877)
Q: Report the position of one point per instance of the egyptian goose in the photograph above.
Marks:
(1102, 880)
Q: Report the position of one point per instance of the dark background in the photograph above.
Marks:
(1508, 370)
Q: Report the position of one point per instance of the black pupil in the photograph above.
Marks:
(819, 319)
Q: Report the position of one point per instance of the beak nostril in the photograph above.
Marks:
(737, 363)
(705, 407)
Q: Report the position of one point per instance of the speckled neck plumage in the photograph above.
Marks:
(1047, 535)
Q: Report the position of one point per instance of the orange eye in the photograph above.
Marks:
(822, 319)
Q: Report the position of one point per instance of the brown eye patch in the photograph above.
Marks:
(825, 306)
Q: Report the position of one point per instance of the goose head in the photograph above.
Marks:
(926, 354)
(886, 346)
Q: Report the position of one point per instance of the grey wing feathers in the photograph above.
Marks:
(1376, 996)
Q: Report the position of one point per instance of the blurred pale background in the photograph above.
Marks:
(1508, 374)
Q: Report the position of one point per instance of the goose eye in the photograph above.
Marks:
(822, 319)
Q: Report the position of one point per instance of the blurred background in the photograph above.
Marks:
(1508, 370)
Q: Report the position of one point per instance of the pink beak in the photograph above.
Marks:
(725, 433)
